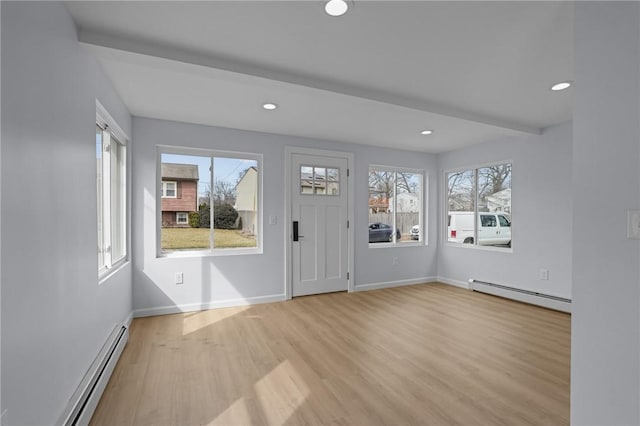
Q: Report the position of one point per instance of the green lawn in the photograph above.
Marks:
(198, 238)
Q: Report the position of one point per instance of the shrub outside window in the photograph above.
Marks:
(395, 205)
(479, 206)
(210, 201)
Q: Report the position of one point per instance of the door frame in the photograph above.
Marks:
(289, 151)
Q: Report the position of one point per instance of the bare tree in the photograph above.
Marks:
(493, 179)
(381, 182)
(224, 192)
(460, 191)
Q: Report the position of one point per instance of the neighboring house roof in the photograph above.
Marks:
(378, 202)
(180, 171)
(245, 174)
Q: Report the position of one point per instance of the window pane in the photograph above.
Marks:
(333, 188)
(306, 180)
(235, 205)
(408, 205)
(187, 180)
(494, 195)
(319, 180)
(333, 175)
(381, 191)
(118, 201)
(461, 207)
(99, 193)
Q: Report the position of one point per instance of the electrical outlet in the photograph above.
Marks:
(179, 278)
(273, 220)
(633, 224)
(394, 262)
(544, 274)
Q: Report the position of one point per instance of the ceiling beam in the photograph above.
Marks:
(156, 50)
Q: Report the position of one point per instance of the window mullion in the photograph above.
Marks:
(476, 222)
(395, 207)
(211, 206)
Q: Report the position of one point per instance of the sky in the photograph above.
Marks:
(225, 169)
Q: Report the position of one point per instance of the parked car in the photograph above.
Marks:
(382, 233)
(494, 228)
(415, 232)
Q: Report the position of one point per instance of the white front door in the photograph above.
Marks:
(319, 213)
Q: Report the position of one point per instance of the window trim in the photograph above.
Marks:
(445, 210)
(423, 241)
(110, 127)
(164, 188)
(186, 218)
(171, 149)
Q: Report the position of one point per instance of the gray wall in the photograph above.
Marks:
(216, 280)
(542, 215)
(55, 316)
(605, 374)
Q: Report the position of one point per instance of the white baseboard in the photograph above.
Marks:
(456, 283)
(389, 284)
(193, 307)
(127, 321)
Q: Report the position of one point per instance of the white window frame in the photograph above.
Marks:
(445, 204)
(166, 149)
(186, 218)
(112, 133)
(423, 205)
(165, 184)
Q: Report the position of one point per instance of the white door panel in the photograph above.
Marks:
(319, 203)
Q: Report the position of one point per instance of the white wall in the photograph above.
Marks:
(55, 316)
(605, 368)
(541, 194)
(218, 280)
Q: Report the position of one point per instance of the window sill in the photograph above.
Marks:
(477, 247)
(107, 274)
(397, 245)
(209, 253)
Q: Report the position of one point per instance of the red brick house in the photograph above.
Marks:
(179, 193)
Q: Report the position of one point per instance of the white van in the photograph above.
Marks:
(494, 228)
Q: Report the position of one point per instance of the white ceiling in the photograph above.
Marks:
(471, 71)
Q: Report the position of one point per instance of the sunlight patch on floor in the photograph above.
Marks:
(200, 320)
(283, 391)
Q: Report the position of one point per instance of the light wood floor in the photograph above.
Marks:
(427, 354)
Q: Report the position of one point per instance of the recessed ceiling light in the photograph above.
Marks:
(426, 132)
(561, 86)
(336, 7)
(269, 106)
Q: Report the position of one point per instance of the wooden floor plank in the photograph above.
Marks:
(423, 354)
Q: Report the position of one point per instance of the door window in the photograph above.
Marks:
(319, 180)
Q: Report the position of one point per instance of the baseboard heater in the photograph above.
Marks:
(85, 399)
(527, 296)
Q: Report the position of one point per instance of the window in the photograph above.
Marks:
(209, 201)
(182, 218)
(479, 206)
(395, 205)
(111, 189)
(169, 189)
